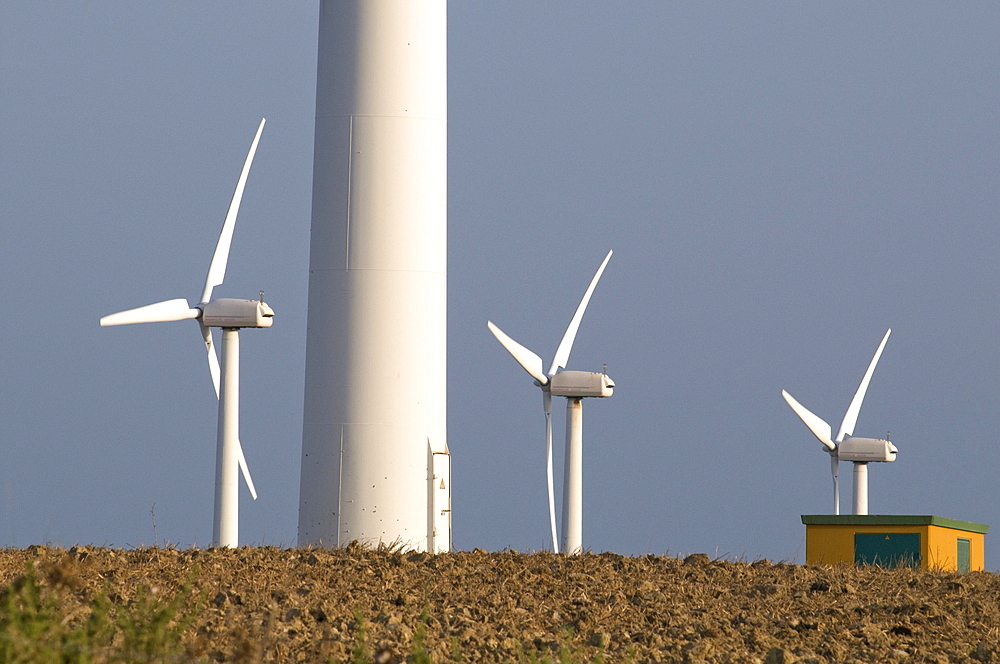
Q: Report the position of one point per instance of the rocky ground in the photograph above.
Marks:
(352, 605)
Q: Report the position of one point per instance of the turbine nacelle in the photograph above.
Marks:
(864, 450)
(579, 384)
(232, 312)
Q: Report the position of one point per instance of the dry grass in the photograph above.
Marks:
(353, 605)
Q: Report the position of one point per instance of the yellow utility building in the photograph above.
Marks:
(931, 542)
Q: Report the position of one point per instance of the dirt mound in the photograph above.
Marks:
(275, 605)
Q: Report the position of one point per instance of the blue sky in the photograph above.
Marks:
(780, 183)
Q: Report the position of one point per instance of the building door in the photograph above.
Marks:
(964, 555)
(887, 549)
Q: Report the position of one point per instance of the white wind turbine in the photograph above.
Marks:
(230, 315)
(574, 385)
(846, 447)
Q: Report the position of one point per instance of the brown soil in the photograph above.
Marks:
(274, 605)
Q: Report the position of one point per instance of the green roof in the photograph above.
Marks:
(892, 520)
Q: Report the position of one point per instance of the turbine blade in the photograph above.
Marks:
(528, 360)
(245, 470)
(816, 424)
(851, 417)
(161, 312)
(547, 405)
(213, 359)
(566, 345)
(217, 270)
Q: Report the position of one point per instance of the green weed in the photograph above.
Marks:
(361, 654)
(44, 623)
(418, 651)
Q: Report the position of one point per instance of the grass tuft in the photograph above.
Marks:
(42, 622)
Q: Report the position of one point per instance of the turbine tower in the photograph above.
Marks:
(375, 461)
(847, 447)
(231, 315)
(575, 386)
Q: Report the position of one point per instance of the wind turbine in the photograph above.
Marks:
(846, 447)
(574, 385)
(231, 315)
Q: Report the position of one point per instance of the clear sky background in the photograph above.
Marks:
(780, 183)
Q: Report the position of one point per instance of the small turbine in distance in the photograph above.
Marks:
(230, 315)
(846, 447)
(574, 385)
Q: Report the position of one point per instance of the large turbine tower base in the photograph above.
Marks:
(374, 419)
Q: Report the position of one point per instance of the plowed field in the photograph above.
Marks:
(280, 605)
